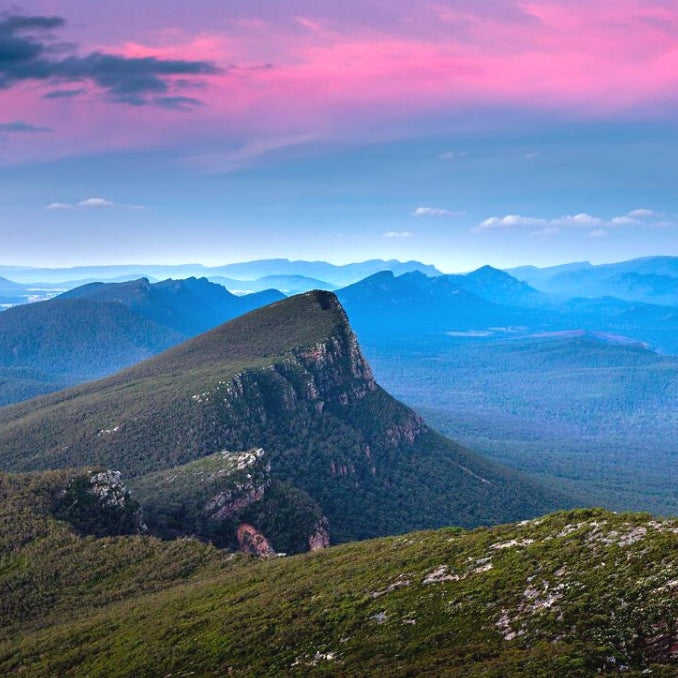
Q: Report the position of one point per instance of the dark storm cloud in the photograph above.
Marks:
(28, 53)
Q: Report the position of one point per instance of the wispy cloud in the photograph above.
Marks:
(541, 226)
(435, 212)
(452, 155)
(21, 127)
(89, 203)
(398, 234)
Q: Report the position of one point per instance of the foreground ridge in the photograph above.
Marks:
(573, 593)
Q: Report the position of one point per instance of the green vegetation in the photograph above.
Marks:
(290, 379)
(571, 594)
(210, 497)
(595, 418)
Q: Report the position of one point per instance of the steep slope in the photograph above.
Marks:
(576, 593)
(291, 379)
(189, 306)
(78, 338)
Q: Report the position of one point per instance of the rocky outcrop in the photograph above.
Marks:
(252, 542)
(320, 539)
(98, 503)
(251, 478)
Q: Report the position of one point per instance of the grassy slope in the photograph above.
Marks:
(566, 595)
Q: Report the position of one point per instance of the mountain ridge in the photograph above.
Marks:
(289, 378)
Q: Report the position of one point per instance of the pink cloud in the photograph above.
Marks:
(334, 75)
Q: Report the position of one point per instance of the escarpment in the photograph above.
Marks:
(289, 378)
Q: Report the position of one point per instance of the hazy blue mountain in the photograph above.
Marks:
(189, 306)
(651, 280)
(321, 270)
(414, 303)
(287, 284)
(499, 287)
(99, 328)
(334, 274)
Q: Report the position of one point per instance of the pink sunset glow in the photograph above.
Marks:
(325, 76)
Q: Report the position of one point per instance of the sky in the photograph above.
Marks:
(456, 132)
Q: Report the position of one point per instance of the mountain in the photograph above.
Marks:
(189, 306)
(576, 593)
(287, 284)
(291, 379)
(499, 287)
(414, 303)
(99, 328)
(321, 270)
(334, 274)
(652, 280)
(11, 293)
(77, 339)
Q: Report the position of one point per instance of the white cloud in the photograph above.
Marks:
(398, 234)
(541, 226)
(532, 155)
(624, 221)
(452, 155)
(96, 202)
(581, 220)
(510, 221)
(435, 212)
(642, 214)
(89, 203)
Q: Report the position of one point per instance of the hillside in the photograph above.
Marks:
(289, 378)
(571, 594)
(189, 306)
(77, 339)
(99, 328)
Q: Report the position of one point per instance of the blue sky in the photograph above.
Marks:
(152, 138)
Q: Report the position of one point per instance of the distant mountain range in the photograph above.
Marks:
(289, 378)
(653, 280)
(287, 284)
(337, 275)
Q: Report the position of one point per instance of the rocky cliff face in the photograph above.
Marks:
(251, 541)
(250, 480)
(320, 539)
